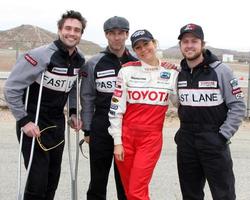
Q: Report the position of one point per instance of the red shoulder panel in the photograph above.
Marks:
(132, 63)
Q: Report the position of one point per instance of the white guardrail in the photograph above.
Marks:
(4, 75)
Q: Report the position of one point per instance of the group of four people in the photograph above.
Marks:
(124, 100)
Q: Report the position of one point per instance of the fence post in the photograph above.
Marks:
(248, 92)
(17, 50)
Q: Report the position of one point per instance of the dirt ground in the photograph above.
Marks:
(164, 183)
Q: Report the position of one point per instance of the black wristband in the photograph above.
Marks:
(25, 120)
(86, 133)
(72, 111)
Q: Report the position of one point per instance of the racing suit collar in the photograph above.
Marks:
(107, 51)
(63, 48)
(147, 67)
(123, 59)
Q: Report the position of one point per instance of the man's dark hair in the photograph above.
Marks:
(72, 14)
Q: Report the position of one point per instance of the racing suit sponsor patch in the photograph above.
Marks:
(111, 112)
(106, 84)
(234, 83)
(106, 73)
(165, 75)
(200, 97)
(182, 83)
(76, 71)
(31, 60)
(239, 95)
(148, 96)
(58, 82)
(207, 84)
(236, 91)
(113, 106)
(60, 70)
(117, 93)
(115, 100)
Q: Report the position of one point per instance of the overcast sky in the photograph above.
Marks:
(225, 23)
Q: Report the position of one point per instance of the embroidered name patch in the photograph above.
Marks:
(60, 70)
(182, 83)
(31, 60)
(207, 84)
(106, 73)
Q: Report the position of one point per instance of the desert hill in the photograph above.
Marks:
(26, 37)
(174, 52)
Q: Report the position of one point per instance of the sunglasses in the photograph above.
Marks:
(39, 141)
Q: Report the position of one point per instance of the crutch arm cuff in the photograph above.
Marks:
(25, 120)
(72, 111)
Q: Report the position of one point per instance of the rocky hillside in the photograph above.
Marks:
(26, 37)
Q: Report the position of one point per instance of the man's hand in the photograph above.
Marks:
(86, 139)
(168, 65)
(73, 122)
(119, 152)
(31, 130)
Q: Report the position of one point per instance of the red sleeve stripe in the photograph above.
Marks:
(30, 59)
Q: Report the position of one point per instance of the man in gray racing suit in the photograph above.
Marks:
(97, 86)
(60, 62)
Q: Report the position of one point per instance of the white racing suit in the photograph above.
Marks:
(137, 113)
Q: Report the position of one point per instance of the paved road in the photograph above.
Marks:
(164, 185)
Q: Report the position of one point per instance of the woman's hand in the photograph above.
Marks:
(119, 152)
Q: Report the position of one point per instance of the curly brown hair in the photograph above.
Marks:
(72, 14)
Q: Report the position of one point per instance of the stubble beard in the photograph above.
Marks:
(194, 57)
(117, 48)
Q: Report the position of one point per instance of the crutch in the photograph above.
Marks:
(20, 194)
(20, 151)
(74, 166)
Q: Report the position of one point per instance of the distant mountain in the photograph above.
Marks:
(26, 37)
(174, 52)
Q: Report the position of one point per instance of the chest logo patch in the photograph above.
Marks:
(207, 84)
(165, 75)
(59, 70)
(182, 83)
(106, 73)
